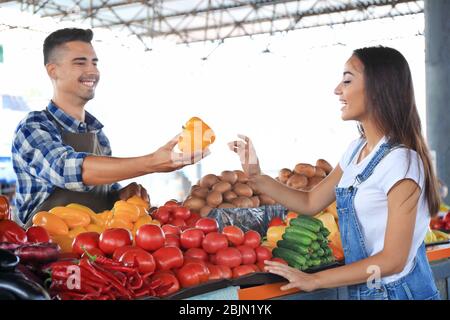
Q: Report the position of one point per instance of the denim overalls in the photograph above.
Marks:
(417, 284)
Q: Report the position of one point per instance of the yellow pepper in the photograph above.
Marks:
(52, 223)
(72, 217)
(76, 231)
(275, 233)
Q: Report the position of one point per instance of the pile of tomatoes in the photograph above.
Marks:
(185, 251)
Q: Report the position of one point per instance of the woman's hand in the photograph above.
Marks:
(247, 154)
(297, 279)
(165, 159)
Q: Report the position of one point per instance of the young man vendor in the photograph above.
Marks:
(60, 154)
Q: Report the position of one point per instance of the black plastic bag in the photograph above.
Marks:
(256, 219)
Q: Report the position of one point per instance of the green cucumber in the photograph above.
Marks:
(296, 238)
(325, 232)
(315, 246)
(316, 262)
(291, 257)
(320, 252)
(309, 223)
(302, 232)
(294, 246)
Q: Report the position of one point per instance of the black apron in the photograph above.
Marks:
(99, 198)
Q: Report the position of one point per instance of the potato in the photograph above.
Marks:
(229, 196)
(314, 181)
(297, 181)
(256, 201)
(214, 198)
(209, 180)
(205, 211)
(305, 169)
(242, 177)
(242, 202)
(226, 206)
(229, 176)
(200, 192)
(284, 175)
(243, 190)
(222, 187)
(324, 165)
(266, 200)
(320, 172)
(194, 204)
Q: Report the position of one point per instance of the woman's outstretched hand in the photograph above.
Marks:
(247, 154)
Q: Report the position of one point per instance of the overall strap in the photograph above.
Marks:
(384, 149)
(355, 151)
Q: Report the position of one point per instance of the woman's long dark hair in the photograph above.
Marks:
(390, 101)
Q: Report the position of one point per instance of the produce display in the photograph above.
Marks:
(441, 223)
(228, 190)
(434, 236)
(305, 176)
(304, 244)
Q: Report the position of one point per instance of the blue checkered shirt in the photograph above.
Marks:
(42, 161)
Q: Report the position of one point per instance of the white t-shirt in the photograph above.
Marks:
(371, 203)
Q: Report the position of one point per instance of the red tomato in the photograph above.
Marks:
(263, 253)
(252, 239)
(12, 232)
(188, 276)
(178, 222)
(207, 225)
(168, 258)
(145, 261)
(227, 273)
(172, 241)
(37, 234)
(276, 221)
(213, 258)
(234, 234)
(150, 237)
(171, 229)
(255, 267)
(279, 260)
(162, 214)
(215, 273)
(248, 254)
(240, 271)
(447, 217)
(114, 238)
(201, 269)
(181, 213)
(196, 253)
(85, 241)
(193, 219)
(119, 251)
(437, 224)
(261, 265)
(191, 238)
(447, 226)
(214, 241)
(229, 257)
(171, 204)
(167, 278)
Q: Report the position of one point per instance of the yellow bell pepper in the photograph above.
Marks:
(275, 233)
(94, 217)
(119, 223)
(72, 217)
(138, 201)
(64, 242)
(52, 223)
(126, 211)
(76, 231)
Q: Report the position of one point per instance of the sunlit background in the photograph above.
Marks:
(276, 89)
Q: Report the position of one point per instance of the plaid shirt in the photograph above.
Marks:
(42, 161)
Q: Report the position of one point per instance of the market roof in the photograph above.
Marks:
(202, 20)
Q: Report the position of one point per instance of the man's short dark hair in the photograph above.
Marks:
(59, 37)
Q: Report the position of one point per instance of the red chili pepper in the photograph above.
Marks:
(114, 281)
(135, 281)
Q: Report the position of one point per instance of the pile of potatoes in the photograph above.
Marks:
(305, 176)
(229, 190)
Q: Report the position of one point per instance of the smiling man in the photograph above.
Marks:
(61, 154)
